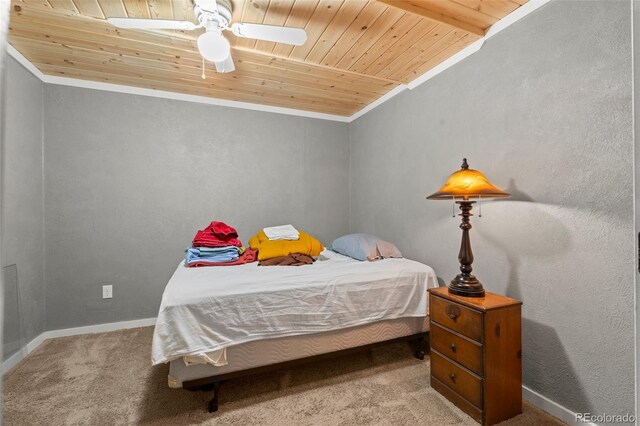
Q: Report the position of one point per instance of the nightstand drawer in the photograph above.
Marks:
(456, 317)
(455, 347)
(461, 381)
(458, 401)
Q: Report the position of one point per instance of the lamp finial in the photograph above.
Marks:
(464, 166)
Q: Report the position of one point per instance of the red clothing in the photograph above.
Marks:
(205, 238)
(217, 234)
(249, 255)
(221, 230)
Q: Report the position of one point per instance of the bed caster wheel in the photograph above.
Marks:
(419, 355)
(213, 405)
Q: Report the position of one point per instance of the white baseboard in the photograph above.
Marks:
(32, 345)
(100, 328)
(14, 359)
(540, 401)
(551, 407)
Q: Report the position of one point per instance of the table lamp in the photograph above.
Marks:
(462, 186)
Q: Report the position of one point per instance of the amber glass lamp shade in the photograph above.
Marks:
(462, 186)
(466, 184)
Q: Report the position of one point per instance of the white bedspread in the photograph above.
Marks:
(207, 309)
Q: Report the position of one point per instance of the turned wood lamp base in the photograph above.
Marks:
(465, 287)
(465, 284)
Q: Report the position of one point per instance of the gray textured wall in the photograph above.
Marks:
(544, 109)
(22, 197)
(636, 122)
(129, 179)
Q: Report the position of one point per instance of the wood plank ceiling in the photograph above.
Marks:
(357, 50)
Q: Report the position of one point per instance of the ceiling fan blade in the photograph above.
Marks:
(226, 65)
(152, 24)
(296, 36)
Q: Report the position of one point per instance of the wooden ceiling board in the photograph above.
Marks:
(386, 42)
(69, 55)
(188, 68)
(318, 22)
(353, 80)
(90, 8)
(341, 21)
(431, 60)
(64, 5)
(371, 36)
(158, 9)
(356, 51)
(134, 8)
(390, 56)
(367, 17)
(395, 69)
(183, 10)
(111, 9)
(228, 88)
(448, 39)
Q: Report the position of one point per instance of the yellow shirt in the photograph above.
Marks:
(268, 249)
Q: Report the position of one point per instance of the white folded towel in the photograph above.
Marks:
(283, 232)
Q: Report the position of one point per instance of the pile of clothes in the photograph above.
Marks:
(218, 245)
(285, 245)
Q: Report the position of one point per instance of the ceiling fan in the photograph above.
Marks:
(215, 16)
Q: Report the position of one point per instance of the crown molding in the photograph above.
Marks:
(131, 90)
(505, 22)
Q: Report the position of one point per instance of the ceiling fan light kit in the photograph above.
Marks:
(215, 17)
(213, 46)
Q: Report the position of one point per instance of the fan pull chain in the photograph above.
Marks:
(453, 207)
(479, 205)
(203, 76)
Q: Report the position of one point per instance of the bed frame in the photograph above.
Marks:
(419, 343)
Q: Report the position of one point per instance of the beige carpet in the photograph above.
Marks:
(106, 379)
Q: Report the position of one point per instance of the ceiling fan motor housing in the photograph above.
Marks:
(207, 16)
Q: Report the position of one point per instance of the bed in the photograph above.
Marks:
(218, 323)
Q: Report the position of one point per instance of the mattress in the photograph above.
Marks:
(211, 309)
(272, 351)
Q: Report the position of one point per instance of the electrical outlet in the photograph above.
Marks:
(107, 291)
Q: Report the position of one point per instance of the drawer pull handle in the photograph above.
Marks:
(452, 377)
(453, 312)
(452, 347)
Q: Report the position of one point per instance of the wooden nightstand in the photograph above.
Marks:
(476, 357)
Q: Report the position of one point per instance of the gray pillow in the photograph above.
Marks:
(364, 247)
